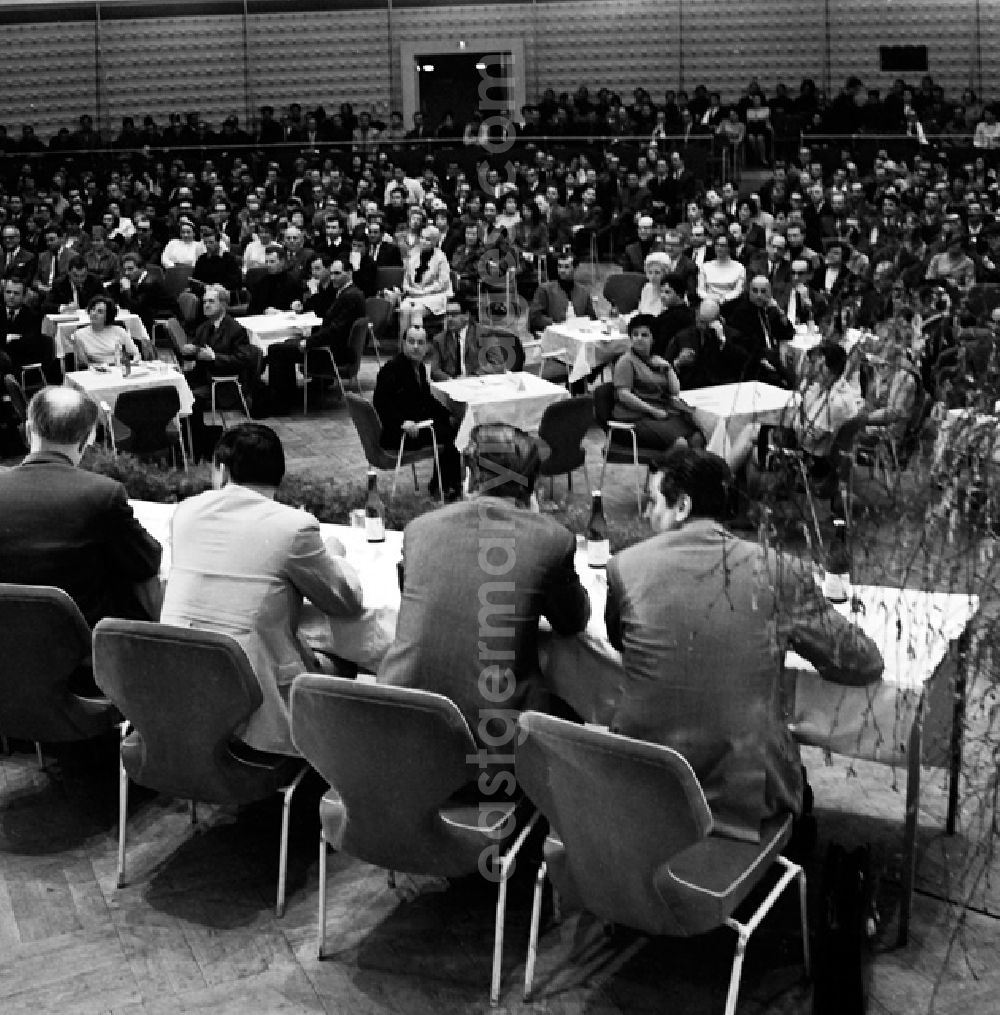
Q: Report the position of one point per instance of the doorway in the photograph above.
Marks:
(450, 83)
(459, 69)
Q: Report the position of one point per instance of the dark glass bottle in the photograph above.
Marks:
(598, 543)
(374, 511)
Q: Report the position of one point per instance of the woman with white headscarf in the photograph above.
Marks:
(656, 267)
(426, 282)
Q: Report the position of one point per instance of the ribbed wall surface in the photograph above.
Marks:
(48, 76)
(160, 64)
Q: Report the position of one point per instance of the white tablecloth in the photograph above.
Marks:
(588, 344)
(363, 640)
(516, 398)
(912, 628)
(723, 411)
(107, 385)
(60, 328)
(266, 329)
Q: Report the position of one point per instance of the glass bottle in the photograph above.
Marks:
(837, 581)
(598, 543)
(374, 511)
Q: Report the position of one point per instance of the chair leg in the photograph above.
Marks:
(437, 466)
(122, 818)
(413, 470)
(395, 472)
(286, 809)
(321, 929)
(39, 756)
(743, 935)
(804, 914)
(194, 812)
(391, 880)
(506, 869)
(536, 915)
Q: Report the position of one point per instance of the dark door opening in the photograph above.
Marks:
(453, 85)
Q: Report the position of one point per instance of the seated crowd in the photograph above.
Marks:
(902, 248)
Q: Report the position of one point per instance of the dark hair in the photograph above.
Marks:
(702, 475)
(253, 454)
(134, 255)
(76, 262)
(110, 307)
(835, 357)
(641, 321)
(507, 459)
(62, 415)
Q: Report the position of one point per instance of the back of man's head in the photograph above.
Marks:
(835, 357)
(703, 476)
(506, 461)
(252, 454)
(62, 417)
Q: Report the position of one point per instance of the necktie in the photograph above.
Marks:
(792, 306)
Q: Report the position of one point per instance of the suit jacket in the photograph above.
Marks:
(23, 266)
(550, 303)
(403, 393)
(233, 355)
(702, 659)
(44, 276)
(75, 530)
(388, 256)
(440, 646)
(346, 307)
(62, 293)
(148, 299)
(757, 332)
(242, 564)
(279, 291)
(221, 269)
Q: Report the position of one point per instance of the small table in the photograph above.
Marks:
(588, 344)
(519, 399)
(60, 328)
(723, 411)
(106, 385)
(363, 640)
(266, 329)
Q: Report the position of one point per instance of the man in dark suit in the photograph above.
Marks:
(70, 528)
(383, 251)
(49, 268)
(403, 398)
(143, 293)
(634, 258)
(74, 290)
(276, 290)
(21, 339)
(342, 303)
(216, 266)
(756, 326)
(552, 300)
(220, 348)
(536, 555)
(16, 261)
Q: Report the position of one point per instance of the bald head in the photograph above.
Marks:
(61, 419)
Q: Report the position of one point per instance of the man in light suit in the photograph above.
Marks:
(702, 652)
(474, 349)
(242, 564)
(468, 624)
(64, 526)
(552, 300)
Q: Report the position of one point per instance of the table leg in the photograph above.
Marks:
(957, 724)
(914, 750)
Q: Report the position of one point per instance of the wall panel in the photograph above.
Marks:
(48, 75)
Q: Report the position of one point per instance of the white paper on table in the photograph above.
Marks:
(581, 368)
